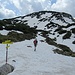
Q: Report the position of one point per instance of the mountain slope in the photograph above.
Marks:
(42, 17)
(58, 26)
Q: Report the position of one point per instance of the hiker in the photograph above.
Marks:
(35, 44)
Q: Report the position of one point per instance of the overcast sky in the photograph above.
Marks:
(12, 8)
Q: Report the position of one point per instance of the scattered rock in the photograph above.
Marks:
(72, 54)
(67, 35)
(73, 42)
(58, 51)
(29, 46)
(67, 53)
(14, 60)
(42, 40)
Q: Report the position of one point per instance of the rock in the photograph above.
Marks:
(67, 53)
(5, 69)
(73, 54)
(58, 51)
(29, 46)
(42, 40)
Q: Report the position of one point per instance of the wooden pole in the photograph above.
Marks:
(6, 53)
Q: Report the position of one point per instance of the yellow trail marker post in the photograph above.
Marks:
(7, 46)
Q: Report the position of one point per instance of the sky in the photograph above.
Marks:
(14, 8)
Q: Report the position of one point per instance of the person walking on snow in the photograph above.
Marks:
(35, 44)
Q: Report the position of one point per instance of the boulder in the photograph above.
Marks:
(5, 69)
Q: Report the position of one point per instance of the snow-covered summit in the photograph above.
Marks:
(42, 18)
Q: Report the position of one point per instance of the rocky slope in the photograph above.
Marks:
(57, 27)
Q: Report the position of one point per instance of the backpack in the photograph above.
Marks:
(35, 41)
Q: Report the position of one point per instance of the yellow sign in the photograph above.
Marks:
(7, 46)
(7, 42)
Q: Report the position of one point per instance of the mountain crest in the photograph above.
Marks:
(58, 26)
